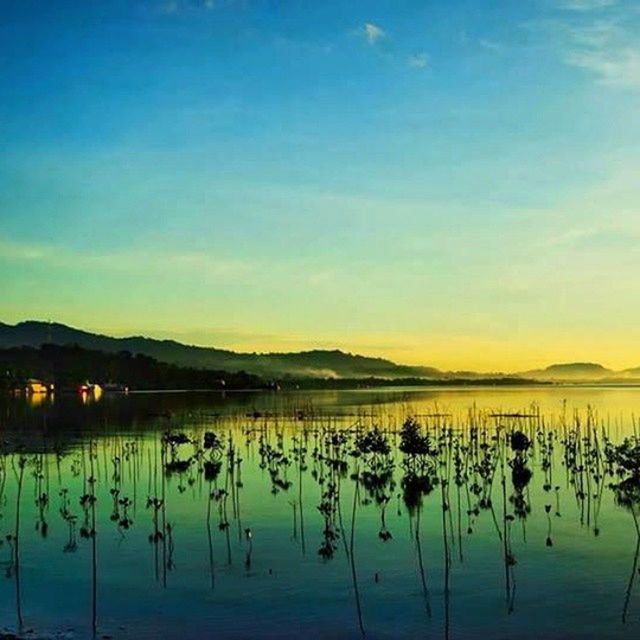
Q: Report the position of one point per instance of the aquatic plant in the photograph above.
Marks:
(449, 476)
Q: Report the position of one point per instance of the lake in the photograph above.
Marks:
(386, 513)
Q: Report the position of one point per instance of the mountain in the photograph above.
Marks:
(316, 363)
(69, 366)
(572, 371)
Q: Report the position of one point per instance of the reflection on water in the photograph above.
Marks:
(93, 394)
(38, 399)
(468, 513)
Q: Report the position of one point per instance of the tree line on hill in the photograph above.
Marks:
(69, 366)
(316, 363)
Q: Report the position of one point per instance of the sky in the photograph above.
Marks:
(453, 183)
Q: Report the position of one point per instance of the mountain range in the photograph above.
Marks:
(315, 363)
(305, 364)
(583, 372)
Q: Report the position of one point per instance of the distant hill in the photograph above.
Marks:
(316, 363)
(585, 372)
(571, 371)
(69, 366)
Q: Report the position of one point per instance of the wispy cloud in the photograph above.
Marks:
(378, 38)
(604, 45)
(601, 219)
(603, 237)
(467, 40)
(491, 45)
(128, 261)
(373, 33)
(606, 49)
(616, 67)
(418, 60)
(175, 7)
(169, 8)
(586, 5)
(323, 277)
(18, 251)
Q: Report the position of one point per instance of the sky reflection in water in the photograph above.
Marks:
(275, 528)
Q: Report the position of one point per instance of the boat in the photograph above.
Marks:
(37, 387)
(90, 387)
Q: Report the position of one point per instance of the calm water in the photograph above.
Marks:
(274, 528)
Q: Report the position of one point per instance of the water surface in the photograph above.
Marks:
(288, 526)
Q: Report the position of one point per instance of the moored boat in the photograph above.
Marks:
(37, 387)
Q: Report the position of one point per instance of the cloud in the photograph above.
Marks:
(602, 236)
(175, 7)
(465, 39)
(373, 33)
(620, 68)
(606, 49)
(604, 46)
(418, 60)
(17, 251)
(127, 261)
(490, 45)
(169, 8)
(586, 5)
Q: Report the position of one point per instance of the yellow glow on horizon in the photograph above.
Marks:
(445, 352)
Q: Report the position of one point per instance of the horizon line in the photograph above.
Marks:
(337, 349)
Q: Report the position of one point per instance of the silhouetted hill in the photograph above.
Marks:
(574, 372)
(316, 363)
(69, 366)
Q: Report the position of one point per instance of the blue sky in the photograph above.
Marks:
(453, 183)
